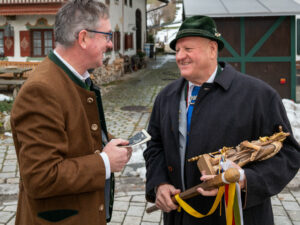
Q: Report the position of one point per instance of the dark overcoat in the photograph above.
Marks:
(234, 108)
(57, 135)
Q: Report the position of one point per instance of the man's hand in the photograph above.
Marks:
(204, 178)
(118, 155)
(163, 197)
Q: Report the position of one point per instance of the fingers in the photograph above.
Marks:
(129, 152)
(204, 178)
(207, 177)
(118, 155)
(120, 142)
(164, 197)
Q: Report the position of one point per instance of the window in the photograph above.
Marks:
(130, 3)
(125, 2)
(107, 2)
(42, 42)
(1, 43)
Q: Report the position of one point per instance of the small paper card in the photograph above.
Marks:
(139, 138)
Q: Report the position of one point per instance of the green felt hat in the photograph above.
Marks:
(198, 26)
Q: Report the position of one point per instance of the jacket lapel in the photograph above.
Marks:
(173, 101)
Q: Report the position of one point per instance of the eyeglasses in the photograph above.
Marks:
(108, 36)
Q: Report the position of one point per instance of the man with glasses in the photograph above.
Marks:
(65, 154)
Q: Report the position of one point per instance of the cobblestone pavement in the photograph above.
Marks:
(127, 105)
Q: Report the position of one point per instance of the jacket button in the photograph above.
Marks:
(170, 168)
(97, 151)
(90, 100)
(101, 207)
(94, 127)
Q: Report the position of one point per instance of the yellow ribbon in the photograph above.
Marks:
(193, 212)
(229, 209)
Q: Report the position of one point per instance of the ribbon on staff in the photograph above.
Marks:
(233, 207)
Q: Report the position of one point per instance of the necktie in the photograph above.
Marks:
(88, 82)
(190, 109)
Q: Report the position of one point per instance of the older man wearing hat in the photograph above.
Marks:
(213, 105)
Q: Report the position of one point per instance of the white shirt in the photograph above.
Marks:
(192, 85)
(82, 77)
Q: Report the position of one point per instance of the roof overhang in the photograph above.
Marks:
(34, 9)
(241, 8)
(29, 7)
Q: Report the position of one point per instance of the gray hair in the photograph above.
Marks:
(77, 15)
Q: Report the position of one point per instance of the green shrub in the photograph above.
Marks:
(6, 106)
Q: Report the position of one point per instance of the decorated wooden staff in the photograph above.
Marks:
(231, 175)
(244, 153)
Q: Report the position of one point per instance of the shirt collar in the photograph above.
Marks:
(210, 79)
(82, 77)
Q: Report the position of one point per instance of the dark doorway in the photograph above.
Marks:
(138, 25)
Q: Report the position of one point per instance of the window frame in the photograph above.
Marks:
(42, 41)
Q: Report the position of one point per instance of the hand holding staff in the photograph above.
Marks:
(231, 175)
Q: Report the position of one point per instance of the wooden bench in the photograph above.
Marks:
(14, 74)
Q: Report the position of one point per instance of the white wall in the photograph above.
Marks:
(121, 15)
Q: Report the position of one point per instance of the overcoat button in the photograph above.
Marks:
(94, 127)
(97, 151)
(90, 100)
(170, 168)
(101, 207)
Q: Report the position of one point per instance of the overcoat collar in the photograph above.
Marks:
(226, 76)
(224, 79)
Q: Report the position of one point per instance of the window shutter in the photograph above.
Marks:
(126, 41)
(131, 41)
(116, 40)
(9, 46)
(25, 43)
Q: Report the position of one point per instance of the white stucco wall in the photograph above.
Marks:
(121, 15)
(19, 24)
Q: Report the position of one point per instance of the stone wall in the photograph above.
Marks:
(108, 72)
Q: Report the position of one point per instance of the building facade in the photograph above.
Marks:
(26, 28)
